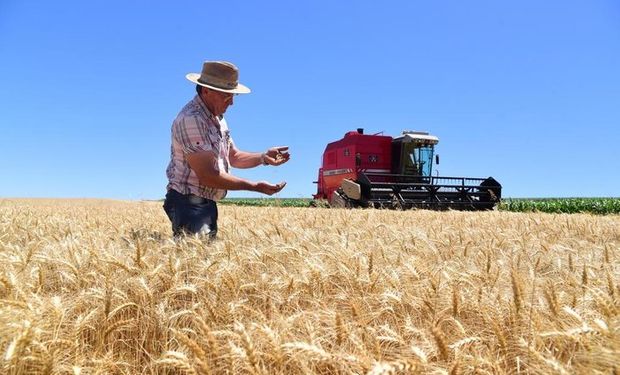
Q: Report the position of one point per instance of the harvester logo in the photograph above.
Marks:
(373, 158)
(346, 152)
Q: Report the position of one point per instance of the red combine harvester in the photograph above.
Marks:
(383, 172)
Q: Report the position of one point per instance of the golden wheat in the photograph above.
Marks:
(95, 286)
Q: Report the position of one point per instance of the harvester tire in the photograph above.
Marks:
(494, 191)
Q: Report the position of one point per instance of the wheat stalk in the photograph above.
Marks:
(105, 288)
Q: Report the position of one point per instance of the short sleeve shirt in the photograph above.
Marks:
(196, 129)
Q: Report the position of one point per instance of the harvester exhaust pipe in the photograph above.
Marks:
(360, 130)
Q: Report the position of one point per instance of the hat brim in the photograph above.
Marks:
(240, 89)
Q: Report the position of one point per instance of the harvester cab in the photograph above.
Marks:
(412, 153)
(379, 171)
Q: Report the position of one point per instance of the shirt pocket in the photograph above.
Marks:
(214, 137)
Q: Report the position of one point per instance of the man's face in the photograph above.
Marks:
(217, 101)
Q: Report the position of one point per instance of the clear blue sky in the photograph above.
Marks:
(525, 91)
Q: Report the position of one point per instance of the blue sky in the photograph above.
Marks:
(525, 91)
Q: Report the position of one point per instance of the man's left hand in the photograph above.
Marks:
(276, 155)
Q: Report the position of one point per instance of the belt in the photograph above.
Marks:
(192, 198)
(195, 199)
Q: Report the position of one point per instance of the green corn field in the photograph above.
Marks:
(599, 206)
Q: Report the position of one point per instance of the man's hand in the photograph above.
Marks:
(268, 188)
(276, 155)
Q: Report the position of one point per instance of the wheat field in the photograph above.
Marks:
(100, 287)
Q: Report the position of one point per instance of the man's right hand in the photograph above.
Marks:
(268, 188)
(204, 164)
(276, 156)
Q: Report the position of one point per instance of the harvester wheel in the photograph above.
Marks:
(494, 193)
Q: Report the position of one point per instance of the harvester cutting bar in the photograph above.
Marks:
(406, 191)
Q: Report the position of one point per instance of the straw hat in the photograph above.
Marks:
(220, 76)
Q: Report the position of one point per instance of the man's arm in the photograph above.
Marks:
(244, 159)
(204, 164)
(273, 156)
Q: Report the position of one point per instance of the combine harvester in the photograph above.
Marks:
(383, 172)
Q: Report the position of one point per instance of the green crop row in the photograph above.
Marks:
(268, 202)
(600, 206)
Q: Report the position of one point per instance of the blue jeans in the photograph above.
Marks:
(191, 214)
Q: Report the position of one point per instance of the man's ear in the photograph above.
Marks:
(204, 92)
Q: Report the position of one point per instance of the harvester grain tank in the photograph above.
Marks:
(379, 171)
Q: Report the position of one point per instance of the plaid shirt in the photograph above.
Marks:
(196, 129)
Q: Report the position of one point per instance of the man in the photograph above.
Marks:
(202, 152)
